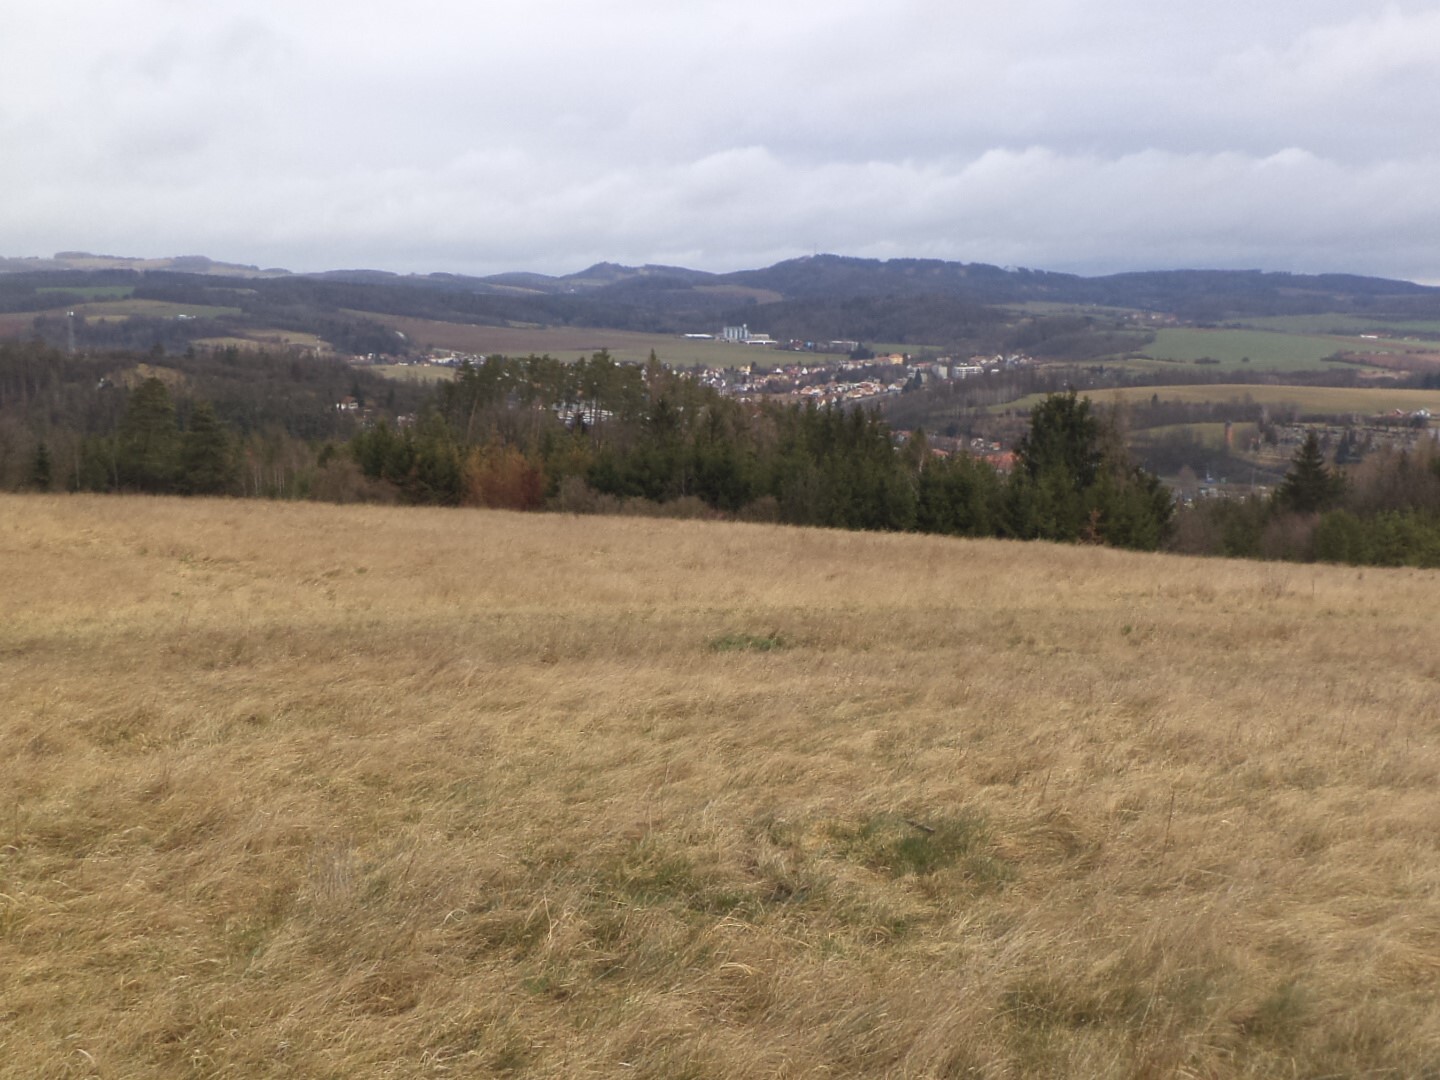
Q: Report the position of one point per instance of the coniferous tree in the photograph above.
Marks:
(1075, 481)
(148, 442)
(207, 456)
(1309, 487)
(41, 469)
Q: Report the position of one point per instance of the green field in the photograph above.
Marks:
(1265, 350)
(91, 292)
(1209, 435)
(577, 342)
(1049, 307)
(1270, 350)
(1310, 400)
(1342, 324)
(420, 373)
(112, 310)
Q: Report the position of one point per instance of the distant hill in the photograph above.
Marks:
(181, 264)
(821, 296)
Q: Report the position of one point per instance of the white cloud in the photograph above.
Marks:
(442, 135)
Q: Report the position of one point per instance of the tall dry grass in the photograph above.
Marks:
(289, 790)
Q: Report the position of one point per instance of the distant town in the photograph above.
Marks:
(825, 372)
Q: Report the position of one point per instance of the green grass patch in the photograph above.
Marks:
(1257, 350)
(1205, 434)
(898, 846)
(158, 309)
(1050, 307)
(421, 373)
(572, 343)
(90, 292)
(1336, 324)
(750, 642)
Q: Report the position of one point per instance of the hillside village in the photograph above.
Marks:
(826, 374)
(818, 379)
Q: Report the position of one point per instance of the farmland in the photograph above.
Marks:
(1344, 324)
(342, 791)
(118, 308)
(91, 292)
(1266, 350)
(1311, 401)
(571, 343)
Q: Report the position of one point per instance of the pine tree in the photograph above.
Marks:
(41, 469)
(207, 457)
(148, 442)
(1075, 481)
(1309, 487)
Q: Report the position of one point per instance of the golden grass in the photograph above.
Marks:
(291, 790)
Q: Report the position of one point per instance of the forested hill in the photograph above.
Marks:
(819, 296)
(827, 277)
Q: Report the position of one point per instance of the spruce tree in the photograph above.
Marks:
(148, 442)
(207, 457)
(41, 469)
(1309, 487)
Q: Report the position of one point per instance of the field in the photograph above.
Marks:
(114, 310)
(574, 343)
(91, 292)
(1208, 435)
(1343, 324)
(266, 338)
(1310, 400)
(422, 373)
(290, 790)
(1267, 350)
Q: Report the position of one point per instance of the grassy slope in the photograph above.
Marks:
(298, 790)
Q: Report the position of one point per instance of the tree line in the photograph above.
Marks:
(1383, 511)
(536, 433)
(65, 419)
(522, 433)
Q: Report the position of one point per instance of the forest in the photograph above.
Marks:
(597, 436)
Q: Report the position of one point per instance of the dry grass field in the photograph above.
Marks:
(292, 790)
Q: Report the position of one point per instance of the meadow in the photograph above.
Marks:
(91, 292)
(1211, 435)
(1262, 350)
(574, 343)
(1343, 324)
(116, 310)
(297, 790)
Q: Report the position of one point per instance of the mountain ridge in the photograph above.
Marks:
(791, 277)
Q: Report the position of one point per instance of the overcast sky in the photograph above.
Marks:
(475, 137)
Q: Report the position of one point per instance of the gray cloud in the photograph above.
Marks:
(1064, 134)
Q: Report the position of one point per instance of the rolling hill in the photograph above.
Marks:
(819, 297)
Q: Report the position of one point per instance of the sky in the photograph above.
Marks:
(471, 136)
